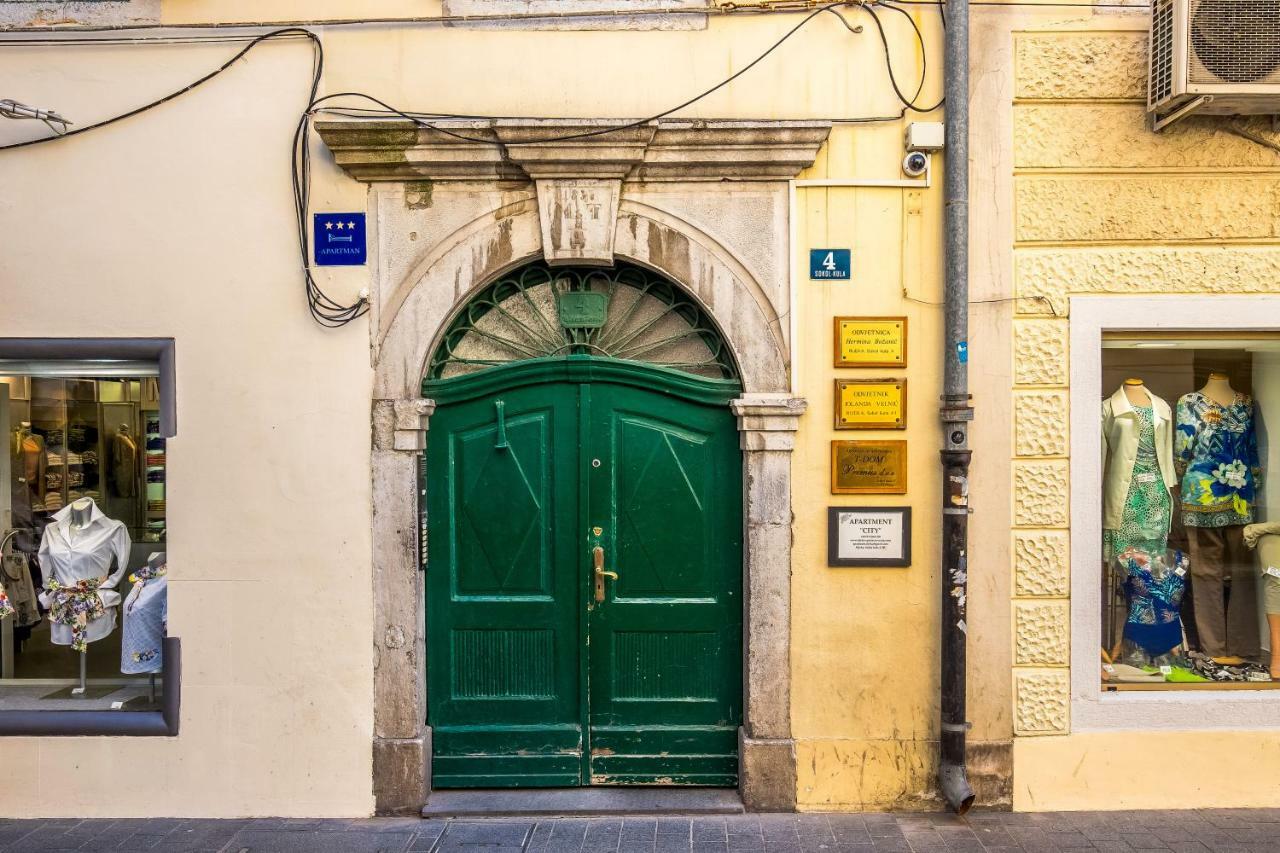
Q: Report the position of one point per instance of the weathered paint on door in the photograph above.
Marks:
(531, 680)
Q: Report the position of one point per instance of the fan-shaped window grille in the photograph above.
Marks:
(540, 311)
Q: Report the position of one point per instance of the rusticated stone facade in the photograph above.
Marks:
(1040, 418)
(1102, 205)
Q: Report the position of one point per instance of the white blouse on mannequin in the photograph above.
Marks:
(69, 554)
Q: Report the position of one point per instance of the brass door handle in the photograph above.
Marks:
(597, 560)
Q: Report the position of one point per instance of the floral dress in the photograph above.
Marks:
(1154, 585)
(1148, 508)
(1216, 447)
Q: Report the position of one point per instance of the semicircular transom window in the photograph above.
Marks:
(626, 312)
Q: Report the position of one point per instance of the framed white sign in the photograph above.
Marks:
(869, 536)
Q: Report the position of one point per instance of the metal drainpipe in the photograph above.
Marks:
(956, 414)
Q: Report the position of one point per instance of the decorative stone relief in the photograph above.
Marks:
(1055, 273)
(1081, 65)
(1040, 423)
(1040, 633)
(1116, 136)
(1040, 565)
(577, 218)
(1042, 702)
(1040, 492)
(1039, 352)
(1133, 207)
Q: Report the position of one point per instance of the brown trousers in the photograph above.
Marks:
(1219, 554)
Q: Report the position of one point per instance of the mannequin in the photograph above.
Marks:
(146, 614)
(1216, 451)
(124, 462)
(76, 554)
(1137, 510)
(1218, 389)
(1138, 471)
(1136, 391)
(29, 466)
(1265, 538)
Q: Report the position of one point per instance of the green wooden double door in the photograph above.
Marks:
(584, 595)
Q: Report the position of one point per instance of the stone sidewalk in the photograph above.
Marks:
(1184, 831)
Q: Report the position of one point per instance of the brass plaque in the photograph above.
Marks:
(871, 404)
(871, 342)
(868, 467)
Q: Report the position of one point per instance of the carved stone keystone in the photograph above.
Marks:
(577, 219)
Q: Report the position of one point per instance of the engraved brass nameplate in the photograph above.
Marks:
(868, 467)
(871, 342)
(871, 404)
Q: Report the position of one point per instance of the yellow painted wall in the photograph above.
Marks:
(1083, 199)
(179, 223)
(864, 695)
(1151, 770)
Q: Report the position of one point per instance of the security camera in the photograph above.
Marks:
(915, 164)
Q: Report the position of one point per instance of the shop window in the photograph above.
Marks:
(83, 564)
(1190, 514)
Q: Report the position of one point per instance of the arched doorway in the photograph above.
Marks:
(585, 535)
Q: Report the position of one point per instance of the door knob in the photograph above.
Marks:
(597, 560)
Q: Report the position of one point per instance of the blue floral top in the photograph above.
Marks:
(1216, 449)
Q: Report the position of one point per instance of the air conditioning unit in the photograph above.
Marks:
(1220, 57)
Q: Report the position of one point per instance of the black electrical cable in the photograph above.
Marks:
(152, 105)
(324, 309)
(569, 137)
(909, 103)
(444, 20)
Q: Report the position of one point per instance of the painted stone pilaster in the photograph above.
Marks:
(1041, 485)
(767, 424)
(401, 741)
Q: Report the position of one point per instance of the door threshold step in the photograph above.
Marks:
(574, 802)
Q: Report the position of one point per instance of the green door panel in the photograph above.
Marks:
(531, 682)
(666, 660)
(503, 637)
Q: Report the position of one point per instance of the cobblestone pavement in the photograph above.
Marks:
(1184, 831)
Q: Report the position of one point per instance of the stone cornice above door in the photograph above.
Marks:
(662, 150)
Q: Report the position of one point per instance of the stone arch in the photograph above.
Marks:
(423, 304)
(408, 329)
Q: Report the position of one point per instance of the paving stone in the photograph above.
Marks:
(674, 827)
(709, 829)
(631, 846)
(306, 841)
(1206, 831)
(710, 847)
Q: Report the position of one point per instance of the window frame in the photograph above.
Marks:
(1092, 709)
(162, 723)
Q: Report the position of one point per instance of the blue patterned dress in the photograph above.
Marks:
(1216, 448)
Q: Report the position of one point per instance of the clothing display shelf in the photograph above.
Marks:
(75, 422)
(154, 479)
(65, 415)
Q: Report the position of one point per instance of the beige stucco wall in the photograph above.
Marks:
(1084, 200)
(179, 223)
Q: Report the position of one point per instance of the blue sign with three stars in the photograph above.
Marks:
(339, 239)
